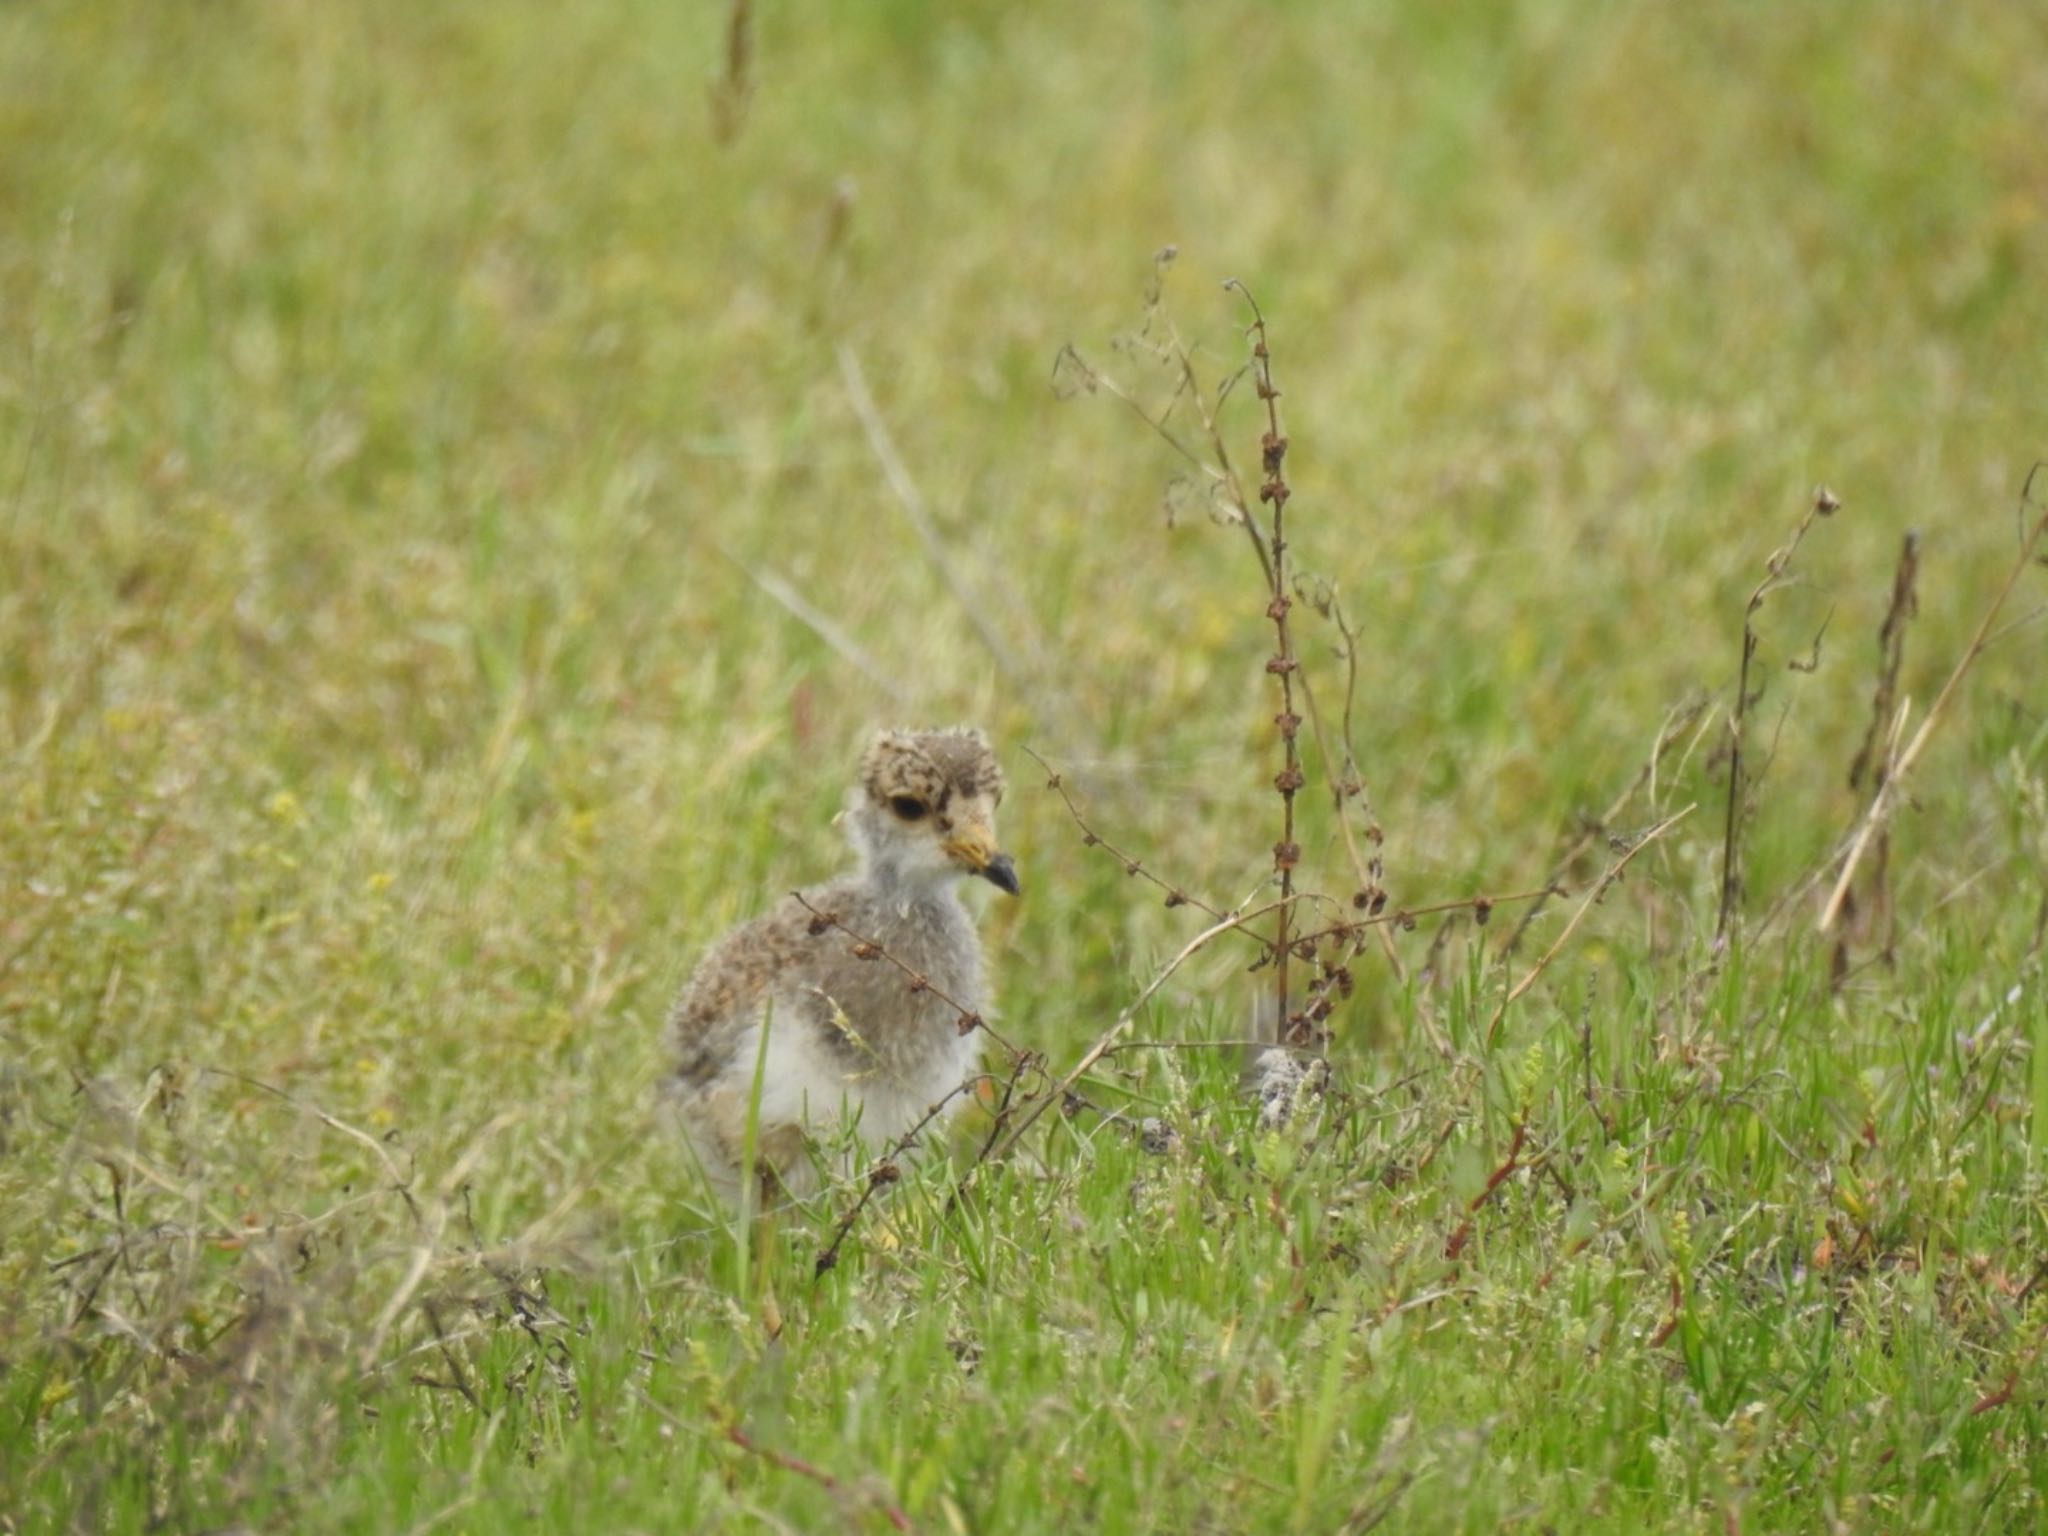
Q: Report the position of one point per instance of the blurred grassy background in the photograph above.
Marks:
(391, 399)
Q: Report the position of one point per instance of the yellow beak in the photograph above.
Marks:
(974, 848)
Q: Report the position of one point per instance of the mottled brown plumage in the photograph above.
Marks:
(850, 1046)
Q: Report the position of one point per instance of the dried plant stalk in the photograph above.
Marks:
(1776, 573)
(1872, 764)
(1886, 799)
(1295, 1028)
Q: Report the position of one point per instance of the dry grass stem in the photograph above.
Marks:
(1873, 761)
(1885, 799)
(827, 629)
(1274, 493)
(1777, 571)
(1676, 724)
(1347, 786)
(1600, 889)
(911, 500)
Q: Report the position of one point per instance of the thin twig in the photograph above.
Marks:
(1454, 1245)
(1404, 917)
(459, 1378)
(1868, 768)
(1370, 1515)
(1092, 380)
(400, 1182)
(1370, 872)
(884, 1171)
(1185, 1045)
(1270, 550)
(1176, 896)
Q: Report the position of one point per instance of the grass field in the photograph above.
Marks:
(449, 561)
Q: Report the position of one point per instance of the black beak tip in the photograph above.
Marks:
(1002, 874)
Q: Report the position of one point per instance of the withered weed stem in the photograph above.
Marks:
(1776, 573)
(1873, 761)
(1885, 799)
(1296, 1029)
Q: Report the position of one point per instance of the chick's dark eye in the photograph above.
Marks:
(909, 807)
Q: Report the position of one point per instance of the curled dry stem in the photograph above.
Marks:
(1345, 785)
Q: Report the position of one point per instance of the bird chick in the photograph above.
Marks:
(851, 1047)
